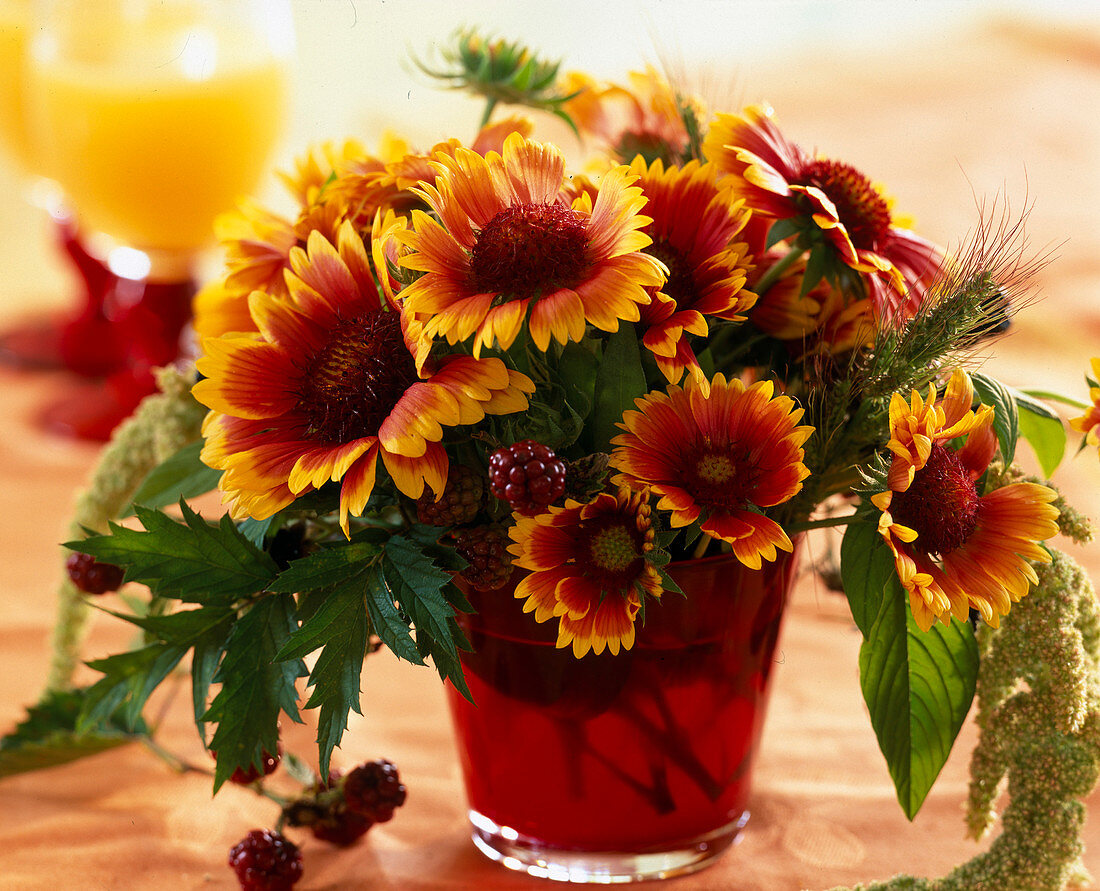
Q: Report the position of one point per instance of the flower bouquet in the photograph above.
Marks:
(561, 435)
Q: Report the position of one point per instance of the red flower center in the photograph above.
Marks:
(862, 210)
(529, 249)
(615, 552)
(941, 504)
(681, 283)
(356, 379)
(720, 479)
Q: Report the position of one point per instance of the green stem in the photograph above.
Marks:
(174, 761)
(701, 547)
(489, 106)
(777, 269)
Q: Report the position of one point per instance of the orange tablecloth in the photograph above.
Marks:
(1012, 105)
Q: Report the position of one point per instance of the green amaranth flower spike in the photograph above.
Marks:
(1039, 717)
(502, 72)
(162, 425)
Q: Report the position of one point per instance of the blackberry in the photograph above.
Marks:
(374, 790)
(266, 861)
(485, 549)
(325, 812)
(461, 500)
(526, 474)
(245, 776)
(91, 576)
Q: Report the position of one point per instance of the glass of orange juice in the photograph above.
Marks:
(154, 116)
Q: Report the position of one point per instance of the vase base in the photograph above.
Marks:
(523, 854)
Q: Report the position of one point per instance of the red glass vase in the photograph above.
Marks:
(616, 768)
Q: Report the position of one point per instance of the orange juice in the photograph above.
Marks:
(153, 129)
(14, 30)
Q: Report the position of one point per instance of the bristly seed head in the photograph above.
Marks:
(356, 379)
(941, 504)
(863, 211)
(529, 249)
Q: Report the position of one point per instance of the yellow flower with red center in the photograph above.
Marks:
(329, 384)
(824, 319)
(777, 179)
(953, 547)
(717, 457)
(510, 247)
(695, 224)
(588, 567)
(1089, 422)
(642, 118)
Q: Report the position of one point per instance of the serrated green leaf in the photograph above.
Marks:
(181, 476)
(1046, 435)
(417, 585)
(255, 688)
(333, 565)
(192, 561)
(48, 737)
(1006, 423)
(255, 531)
(387, 622)
(128, 681)
(918, 686)
(866, 571)
(339, 629)
(619, 381)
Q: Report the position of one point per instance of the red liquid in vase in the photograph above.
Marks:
(638, 751)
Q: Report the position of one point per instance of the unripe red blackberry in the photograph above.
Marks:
(91, 576)
(264, 860)
(461, 501)
(244, 776)
(485, 549)
(526, 474)
(374, 790)
(331, 821)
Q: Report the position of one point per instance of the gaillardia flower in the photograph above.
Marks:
(510, 247)
(1089, 422)
(329, 384)
(831, 200)
(695, 224)
(718, 458)
(588, 567)
(955, 548)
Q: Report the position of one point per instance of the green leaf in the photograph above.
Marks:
(918, 686)
(780, 230)
(417, 585)
(1006, 423)
(333, 565)
(48, 736)
(576, 372)
(619, 381)
(128, 681)
(866, 571)
(1051, 396)
(255, 531)
(1047, 436)
(339, 629)
(816, 264)
(388, 623)
(192, 561)
(181, 476)
(255, 687)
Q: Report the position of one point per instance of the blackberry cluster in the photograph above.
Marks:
(527, 474)
(244, 776)
(374, 790)
(91, 576)
(266, 861)
(485, 549)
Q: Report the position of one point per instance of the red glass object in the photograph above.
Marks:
(614, 768)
